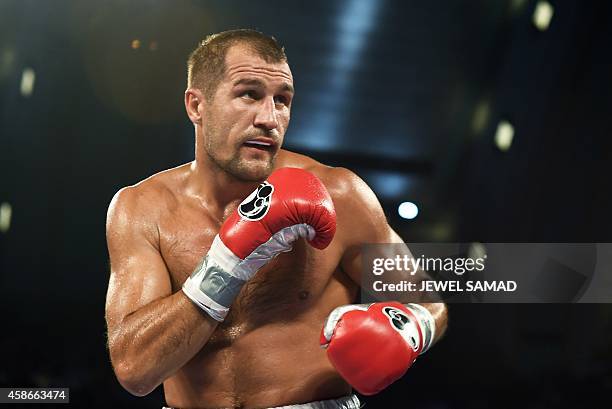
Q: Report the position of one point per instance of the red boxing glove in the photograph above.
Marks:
(290, 197)
(372, 347)
(291, 204)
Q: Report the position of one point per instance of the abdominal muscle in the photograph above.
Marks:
(274, 365)
(266, 353)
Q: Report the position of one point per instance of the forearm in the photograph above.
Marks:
(153, 342)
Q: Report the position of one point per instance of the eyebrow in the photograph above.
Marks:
(258, 83)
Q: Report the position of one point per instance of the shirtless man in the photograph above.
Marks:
(263, 351)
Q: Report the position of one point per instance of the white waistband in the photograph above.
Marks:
(347, 402)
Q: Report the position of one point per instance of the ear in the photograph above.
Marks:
(194, 100)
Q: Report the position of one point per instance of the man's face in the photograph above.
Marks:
(246, 120)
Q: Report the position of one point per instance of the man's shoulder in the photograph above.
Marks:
(339, 181)
(342, 184)
(149, 196)
(352, 197)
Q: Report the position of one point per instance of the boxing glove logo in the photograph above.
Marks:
(399, 320)
(257, 204)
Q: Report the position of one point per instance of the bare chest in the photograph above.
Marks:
(287, 286)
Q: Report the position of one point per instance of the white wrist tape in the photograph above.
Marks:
(217, 280)
(334, 317)
(427, 323)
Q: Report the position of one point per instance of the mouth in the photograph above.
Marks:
(262, 144)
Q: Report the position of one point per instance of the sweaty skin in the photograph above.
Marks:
(266, 353)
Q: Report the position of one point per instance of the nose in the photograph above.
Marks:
(266, 115)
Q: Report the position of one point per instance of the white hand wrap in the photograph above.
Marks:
(426, 322)
(334, 317)
(218, 279)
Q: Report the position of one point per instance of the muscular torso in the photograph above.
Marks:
(266, 353)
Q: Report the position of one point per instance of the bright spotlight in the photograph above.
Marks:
(28, 76)
(5, 217)
(504, 135)
(408, 210)
(542, 15)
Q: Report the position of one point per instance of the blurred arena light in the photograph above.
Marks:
(354, 24)
(542, 15)
(517, 5)
(120, 76)
(386, 184)
(28, 77)
(7, 60)
(477, 250)
(441, 231)
(408, 210)
(504, 135)
(6, 212)
(135, 44)
(480, 117)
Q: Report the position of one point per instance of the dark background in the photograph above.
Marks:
(408, 94)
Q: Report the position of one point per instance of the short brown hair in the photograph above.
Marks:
(206, 64)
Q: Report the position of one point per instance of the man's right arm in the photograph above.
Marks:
(151, 332)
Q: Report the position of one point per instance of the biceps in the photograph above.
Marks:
(352, 260)
(135, 281)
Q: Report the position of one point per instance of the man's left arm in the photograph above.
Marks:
(358, 207)
(372, 346)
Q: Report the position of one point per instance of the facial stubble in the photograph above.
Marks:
(236, 165)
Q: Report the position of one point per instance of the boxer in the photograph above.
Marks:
(234, 277)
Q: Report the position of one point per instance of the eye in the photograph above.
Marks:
(281, 99)
(249, 94)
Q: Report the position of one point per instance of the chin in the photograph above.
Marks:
(253, 171)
